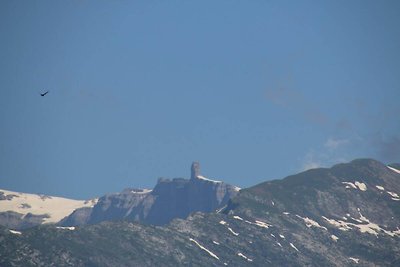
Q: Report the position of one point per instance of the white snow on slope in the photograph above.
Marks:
(233, 232)
(71, 228)
(380, 187)
(203, 248)
(238, 218)
(356, 185)
(215, 242)
(55, 207)
(366, 226)
(349, 185)
(243, 256)
(354, 259)
(141, 191)
(15, 232)
(393, 169)
(262, 224)
(311, 223)
(222, 222)
(201, 177)
(221, 209)
(361, 186)
(259, 223)
(395, 195)
(334, 238)
(293, 246)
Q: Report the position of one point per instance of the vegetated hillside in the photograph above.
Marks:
(347, 215)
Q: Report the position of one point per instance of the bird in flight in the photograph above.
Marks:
(45, 93)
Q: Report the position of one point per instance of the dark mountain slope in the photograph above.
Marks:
(347, 215)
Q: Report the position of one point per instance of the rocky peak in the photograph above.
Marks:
(195, 170)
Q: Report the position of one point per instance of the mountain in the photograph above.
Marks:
(347, 215)
(22, 210)
(169, 199)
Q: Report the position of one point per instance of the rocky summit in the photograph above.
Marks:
(347, 215)
(169, 199)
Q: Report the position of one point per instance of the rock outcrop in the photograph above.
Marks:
(170, 199)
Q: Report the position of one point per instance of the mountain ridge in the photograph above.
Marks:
(169, 199)
(346, 215)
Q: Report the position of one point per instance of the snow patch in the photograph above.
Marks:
(244, 257)
(393, 169)
(349, 185)
(259, 223)
(361, 186)
(15, 232)
(311, 223)
(222, 222)
(282, 236)
(221, 209)
(56, 208)
(356, 185)
(354, 259)
(334, 238)
(233, 232)
(293, 246)
(380, 187)
(238, 218)
(209, 180)
(215, 242)
(71, 228)
(203, 248)
(394, 195)
(141, 191)
(262, 224)
(286, 213)
(365, 226)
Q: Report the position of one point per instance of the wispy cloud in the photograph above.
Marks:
(331, 152)
(296, 101)
(387, 147)
(333, 143)
(310, 161)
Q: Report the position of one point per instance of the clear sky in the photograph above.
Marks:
(254, 90)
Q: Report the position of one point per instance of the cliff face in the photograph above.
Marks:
(169, 199)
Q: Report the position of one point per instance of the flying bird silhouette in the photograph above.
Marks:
(45, 93)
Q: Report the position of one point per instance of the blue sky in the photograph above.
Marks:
(254, 90)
